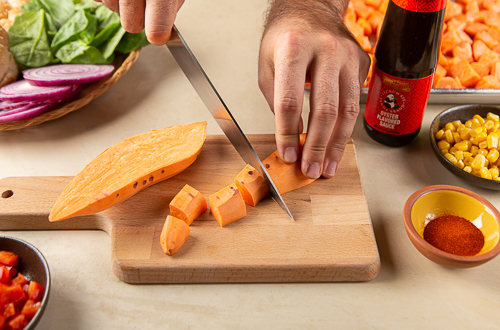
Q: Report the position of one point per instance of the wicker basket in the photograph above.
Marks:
(122, 64)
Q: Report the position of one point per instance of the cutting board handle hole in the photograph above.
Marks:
(7, 194)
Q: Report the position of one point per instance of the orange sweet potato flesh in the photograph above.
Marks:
(227, 205)
(286, 177)
(251, 184)
(173, 235)
(128, 167)
(188, 204)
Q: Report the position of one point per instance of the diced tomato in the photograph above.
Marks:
(2, 321)
(18, 323)
(7, 273)
(9, 310)
(30, 308)
(17, 295)
(8, 258)
(20, 279)
(35, 291)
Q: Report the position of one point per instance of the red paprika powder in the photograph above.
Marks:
(454, 234)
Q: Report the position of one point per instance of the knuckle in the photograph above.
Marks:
(289, 104)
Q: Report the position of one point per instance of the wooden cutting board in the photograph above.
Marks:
(332, 238)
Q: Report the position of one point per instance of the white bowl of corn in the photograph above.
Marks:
(466, 140)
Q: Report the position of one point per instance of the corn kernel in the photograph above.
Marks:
(459, 155)
(493, 116)
(460, 164)
(444, 151)
(467, 154)
(484, 173)
(483, 152)
(478, 161)
(451, 158)
(452, 150)
(492, 156)
(459, 127)
(468, 160)
(456, 137)
(478, 118)
(440, 134)
(450, 126)
(474, 150)
(495, 173)
(464, 133)
(468, 124)
(475, 123)
(492, 140)
(495, 127)
(443, 145)
(448, 134)
(467, 169)
(462, 146)
(488, 124)
(457, 123)
(483, 145)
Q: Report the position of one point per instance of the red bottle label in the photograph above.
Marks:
(394, 105)
(421, 6)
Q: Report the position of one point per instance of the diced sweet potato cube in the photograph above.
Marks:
(465, 73)
(489, 59)
(495, 70)
(383, 6)
(449, 40)
(474, 28)
(366, 26)
(485, 37)
(488, 82)
(448, 82)
(251, 185)
(452, 9)
(227, 205)
(188, 204)
(357, 30)
(376, 19)
(350, 14)
(362, 10)
(173, 235)
(373, 3)
(438, 74)
(479, 48)
(491, 5)
(463, 51)
(481, 69)
(456, 24)
(494, 31)
(442, 60)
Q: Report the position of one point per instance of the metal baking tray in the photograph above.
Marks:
(456, 96)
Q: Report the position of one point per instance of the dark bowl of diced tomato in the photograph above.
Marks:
(24, 284)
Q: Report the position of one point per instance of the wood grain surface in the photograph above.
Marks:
(332, 238)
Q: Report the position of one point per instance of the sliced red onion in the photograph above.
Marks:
(67, 74)
(6, 105)
(21, 90)
(12, 115)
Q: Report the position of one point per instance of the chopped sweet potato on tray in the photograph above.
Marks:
(470, 40)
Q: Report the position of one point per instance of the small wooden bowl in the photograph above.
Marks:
(432, 202)
(91, 91)
(463, 113)
(33, 266)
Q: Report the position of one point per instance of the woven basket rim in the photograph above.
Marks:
(92, 91)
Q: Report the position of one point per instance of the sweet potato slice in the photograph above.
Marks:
(227, 205)
(128, 167)
(173, 235)
(251, 184)
(188, 204)
(286, 177)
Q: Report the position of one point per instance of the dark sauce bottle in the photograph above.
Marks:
(405, 59)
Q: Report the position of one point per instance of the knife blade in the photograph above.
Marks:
(213, 101)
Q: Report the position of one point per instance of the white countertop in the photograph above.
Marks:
(410, 291)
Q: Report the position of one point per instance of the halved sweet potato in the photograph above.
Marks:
(188, 204)
(128, 167)
(251, 185)
(173, 235)
(227, 205)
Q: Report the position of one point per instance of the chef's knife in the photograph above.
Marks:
(209, 95)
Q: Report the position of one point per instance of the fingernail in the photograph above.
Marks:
(331, 169)
(290, 155)
(313, 171)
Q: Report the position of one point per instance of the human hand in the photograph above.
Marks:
(156, 16)
(308, 40)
